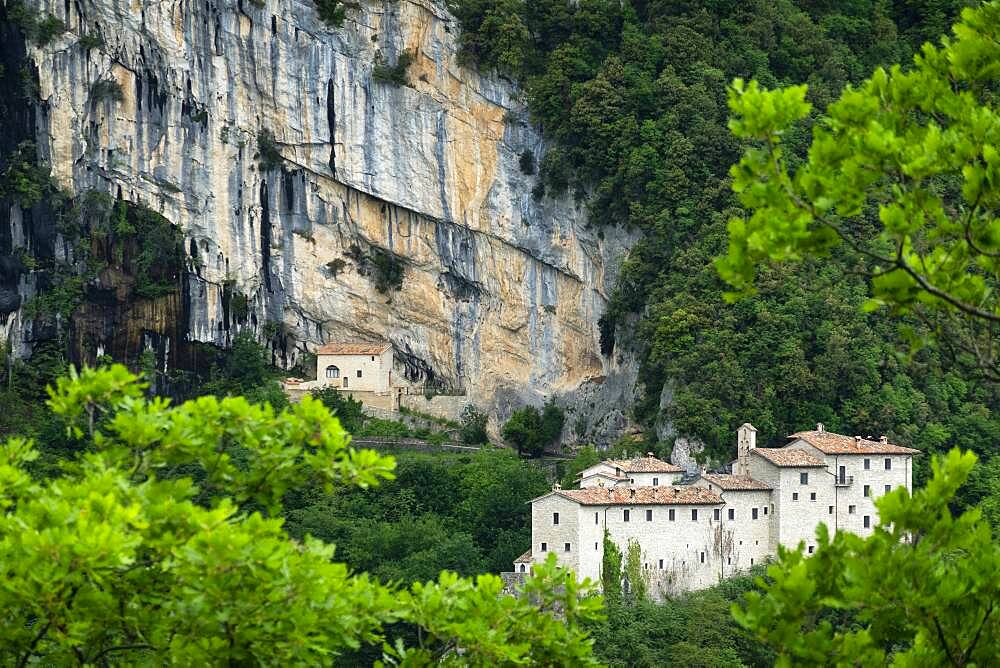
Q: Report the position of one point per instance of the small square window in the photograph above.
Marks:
(831, 510)
(656, 482)
(649, 515)
(753, 513)
(717, 514)
(888, 488)
(888, 464)
(566, 547)
(850, 510)
(694, 514)
(359, 373)
(545, 547)
(868, 464)
(868, 521)
(671, 514)
(812, 496)
(555, 518)
(811, 548)
(868, 490)
(625, 516)
(804, 478)
(795, 496)
(732, 513)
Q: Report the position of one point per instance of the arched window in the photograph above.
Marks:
(332, 372)
(522, 568)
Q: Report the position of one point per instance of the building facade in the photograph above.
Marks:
(693, 535)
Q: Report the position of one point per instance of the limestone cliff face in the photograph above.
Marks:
(501, 293)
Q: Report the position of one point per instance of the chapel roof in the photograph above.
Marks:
(684, 495)
(788, 457)
(729, 482)
(838, 444)
(524, 558)
(352, 349)
(647, 464)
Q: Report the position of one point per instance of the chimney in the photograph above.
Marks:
(883, 440)
(650, 454)
(746, 440)
(820, 428)
(556, 486)
(857, 441)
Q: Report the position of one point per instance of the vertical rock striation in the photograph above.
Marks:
(501, 293)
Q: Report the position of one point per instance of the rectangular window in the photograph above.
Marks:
(595, 546)
(596, 521)
(661, 564)
(868, 464)
(795, 496)
(694, 514)
(868, 491)
(649, 515)
(811, 548)
(804, 478)
(373, 358)
(888, 464)
(625, 515)
(888, 488)
(812, 496)
(831, 510)
(345, 381)
(717, 514)
(656, 482)
(765, 510)
(850, 510)
(732, 513)
(671, 512)
(753, 513)
(702, 557)
(359, 373)
(868, 521)
(545, 547)
(555, 518)
(566, 547)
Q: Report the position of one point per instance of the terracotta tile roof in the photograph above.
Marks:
(788, 457)
(641, 496)
(524, 558)
(352, 349)
(294, 381)
(647, 464)
(838, 444)
(735, 482)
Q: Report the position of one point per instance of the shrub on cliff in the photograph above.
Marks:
(267, 151)
(394, 74)
(331, 12)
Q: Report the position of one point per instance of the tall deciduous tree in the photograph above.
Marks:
(904, 171)
(122, 556)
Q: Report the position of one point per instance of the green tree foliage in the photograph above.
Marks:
(472, 512)
(473, 429)
(267, 151)
(245, 370)
(611, 570)
(903, 171)
(114, 559)
(923, 588)
(695, 629)
(531, 431)
(346, 408)
(39, 30)
(23, 179)
(638, 583)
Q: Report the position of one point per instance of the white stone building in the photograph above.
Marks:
(693, 535)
